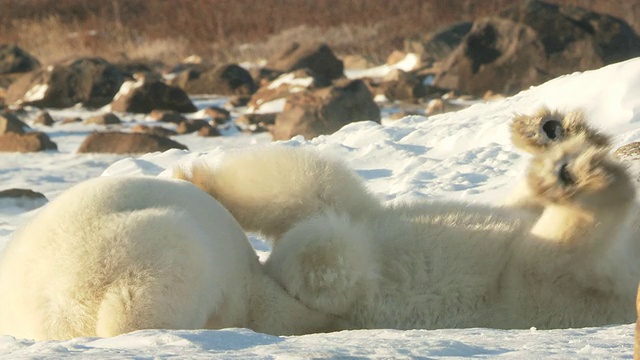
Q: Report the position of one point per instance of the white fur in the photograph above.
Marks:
(442, 265)
(113, 255)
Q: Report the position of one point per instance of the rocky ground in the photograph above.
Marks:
(306, 89)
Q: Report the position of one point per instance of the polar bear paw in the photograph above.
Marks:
(536, 133)
(577, 171)
(325, 262)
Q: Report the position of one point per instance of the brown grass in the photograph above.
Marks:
(238, 30)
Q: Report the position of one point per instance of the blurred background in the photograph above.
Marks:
(243, 30)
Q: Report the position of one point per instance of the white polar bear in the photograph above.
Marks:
(441, 265)
(112, 255)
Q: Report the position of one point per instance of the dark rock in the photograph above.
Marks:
(23, 198)
(27, 142)
(44, 118)
(562, 29)
(21, 193)
(256, 123)
(146, 96)
(498, 55)
(10, 123)
(191, 125)
(531, 42)
(403, 86)
(219, 116)
(13, 59)
(324, 111)
(208, 131)
(126, 143)
(238, 101)
(316, 57)
(227, 79)
(438, 45)
(91, 82)
(167, 116)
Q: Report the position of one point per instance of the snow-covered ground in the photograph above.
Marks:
(465, 155)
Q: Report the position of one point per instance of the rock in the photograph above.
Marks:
(23, 198)
(191, 125)
(91, 82)
(10, 123)
(316, 57)
(154, 130)
(146, 96)
(167, 116)
(13, 59)
(238, 101)
(229, 79)
(531, 42)
(574, 38)
(438, 45)
(403, 86)
(208, 131)
(103, 119)
(44, 118)
(282, 86)
(21, 193)
(219, 116)
(262, 77)
(256, 123)
(498, 55)
(324, 111)
(27, 142)
(126, 143)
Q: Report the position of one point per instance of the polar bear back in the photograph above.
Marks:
(163, 245)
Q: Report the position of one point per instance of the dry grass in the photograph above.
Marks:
(237, 30)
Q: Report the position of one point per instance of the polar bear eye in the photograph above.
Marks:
(565, 176)
(552, 128)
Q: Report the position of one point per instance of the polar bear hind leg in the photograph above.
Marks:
(325, 261)
(166, 289)
(271, 188)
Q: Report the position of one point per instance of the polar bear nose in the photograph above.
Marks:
(552, 128)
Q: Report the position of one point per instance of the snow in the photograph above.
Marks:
(408, 63)
(36, 93)
(466, 155)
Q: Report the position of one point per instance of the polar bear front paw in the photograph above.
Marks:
(577, 171)
(325, 262)
(538, 132)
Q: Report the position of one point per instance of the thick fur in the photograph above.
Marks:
(263, 199)
(539, 132)
(536, 133)
(113, 255)
(448, 265)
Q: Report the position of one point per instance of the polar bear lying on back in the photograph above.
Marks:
(113, 255)
(443, 265)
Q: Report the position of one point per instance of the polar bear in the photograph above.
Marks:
(441, 265)
(117, 254)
